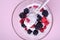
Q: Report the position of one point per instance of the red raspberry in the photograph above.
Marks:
(42, 10)
(32, 26)
(35, 6)
(42, 29)
(22, 20)
(25, 28)
(43, 19)
(27, 19)
(46, 23)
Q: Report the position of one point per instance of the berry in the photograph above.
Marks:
(35, 32)
(26, 10)
(22, 21)
(38, 26)
(26, 28)
(23, 25)
(33, 26)
(44, 19)
(42, 10)
(42, 30)
(39, 17)
(22, 15)
(30, 7)
(45, 13)
(35, 6)
(27, 19)
(29, 31)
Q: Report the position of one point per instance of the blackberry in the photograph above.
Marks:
(22, 15)
(29, 31)
(35, 32)
(26, 10)
(23, 25)
(38, 26)
(39, 17)
(45, 13)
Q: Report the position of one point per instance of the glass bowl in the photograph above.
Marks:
(17, 26)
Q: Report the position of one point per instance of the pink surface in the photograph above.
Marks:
(6, 30)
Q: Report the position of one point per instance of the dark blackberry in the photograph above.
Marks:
(29, 31)
(23, 25)
(26, 10)
(39, 17)
(35, 32)
(22, 15)
(38, 26)
(45, 13)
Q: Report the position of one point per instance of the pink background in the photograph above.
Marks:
(6, 30)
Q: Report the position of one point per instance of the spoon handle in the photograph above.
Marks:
(42, 5)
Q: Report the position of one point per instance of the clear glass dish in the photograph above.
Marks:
(17, 26)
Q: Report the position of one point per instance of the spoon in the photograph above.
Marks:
(42, 5)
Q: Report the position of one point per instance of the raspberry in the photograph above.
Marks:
(26, 28)
(35, 6)
(43, 19)
(42, 10)
(42, 29)
(27, 19)
(22, 20)
(32, 26)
